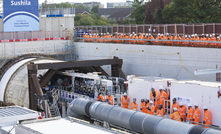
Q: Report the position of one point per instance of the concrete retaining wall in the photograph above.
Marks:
(12, 49)
(155, 60)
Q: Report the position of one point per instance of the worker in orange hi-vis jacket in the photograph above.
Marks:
(147, 104)
(125, 101)
(100, 97)
(151, 108)
(154, 96)
(175, 115)
(162, 96)
(175, 104)
(160, 111)
(207, 117)
(167, 91)
(142, 105)
(182, 112)
(190, 114)
(196, 115)
(134, 105)
(110, 99)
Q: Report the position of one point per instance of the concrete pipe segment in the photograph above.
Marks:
(132, 120)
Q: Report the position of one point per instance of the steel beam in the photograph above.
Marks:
(46, 78)
(73, 64)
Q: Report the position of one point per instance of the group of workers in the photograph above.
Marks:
(193, 40)
(180, 113)
(157, 104)
(109, 99)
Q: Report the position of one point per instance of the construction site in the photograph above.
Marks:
(57, 79)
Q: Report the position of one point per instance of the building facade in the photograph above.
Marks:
(126, 4)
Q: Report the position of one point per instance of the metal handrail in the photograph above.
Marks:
(148, 40)
(56, 11)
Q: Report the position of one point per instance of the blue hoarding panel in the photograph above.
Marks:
(21, 15)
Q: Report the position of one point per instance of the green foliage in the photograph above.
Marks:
(64, 5)
(79, 6)
(101, 22)
(194, 11)
(111, 22)
(60, 5)
(139, 12)
(95, 9)
(86, 20)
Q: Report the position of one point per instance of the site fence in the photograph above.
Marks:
(154, 29)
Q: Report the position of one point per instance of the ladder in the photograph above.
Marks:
(54, 110)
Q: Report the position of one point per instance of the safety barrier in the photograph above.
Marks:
(184, 43)
(34, 36)
(56, 11)
(68, 97)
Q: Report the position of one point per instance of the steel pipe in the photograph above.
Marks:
(132, 120)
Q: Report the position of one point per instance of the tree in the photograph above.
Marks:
(194, 11)
(154, 11)
(56, 5)
(111, 22)
(139, 11)
(64, 5)
(84, 20)
(101, 22)
(95, 9)
(79, 6)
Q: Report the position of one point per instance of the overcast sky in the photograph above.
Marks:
(81, 1)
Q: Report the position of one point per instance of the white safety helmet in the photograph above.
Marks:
(189, 105)
(205, 107)
(175, 109)
(181, 103)
(125, 94)
(151, 102)
(196, 104)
